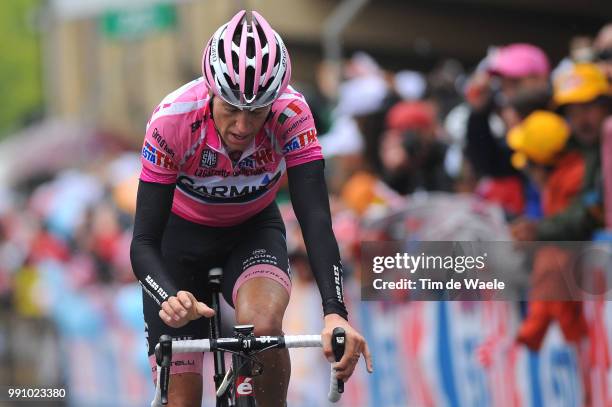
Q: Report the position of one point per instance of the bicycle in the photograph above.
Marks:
(234, 388)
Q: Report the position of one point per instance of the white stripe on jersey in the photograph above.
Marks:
(178, 92)
(178, 107)
(194, 147)
(292, 94)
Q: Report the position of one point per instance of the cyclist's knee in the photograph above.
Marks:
(185, 390)
(262, 302)
(265, 323)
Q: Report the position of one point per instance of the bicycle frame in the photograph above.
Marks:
(242, 394)
(243, 390)
(214, 282)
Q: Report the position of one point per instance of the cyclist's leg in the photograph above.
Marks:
(262, 302)
(181, 256)
(256, 282)
(186, 370)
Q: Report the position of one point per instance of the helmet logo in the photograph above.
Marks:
(213, 54)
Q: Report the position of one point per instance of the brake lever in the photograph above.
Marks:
(338, 345)
(163, 357)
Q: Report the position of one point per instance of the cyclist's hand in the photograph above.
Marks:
(178, 311)
(354, 348)
(478, 90)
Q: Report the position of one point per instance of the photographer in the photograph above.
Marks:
(412, 152)
(505, 75)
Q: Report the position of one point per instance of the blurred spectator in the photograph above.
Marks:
(606, 154)
(550, 300)
(412, 152)
(603, 56)
(541, 149)
(603, 50)
(360, 65)
(581, 49)
(517, 68)
(583, 96)
(520, 66)
(527, 101)
(355, 135)
(508, 73)
(409, 85)
(455, 124)
(443, 84)
(369, 197)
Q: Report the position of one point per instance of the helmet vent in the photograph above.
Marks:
(264, 62)
(220, 50)
(235, 60)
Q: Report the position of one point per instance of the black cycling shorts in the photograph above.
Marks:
(255, 248)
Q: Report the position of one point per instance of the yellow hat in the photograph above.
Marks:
(581, 83)
(539, 138)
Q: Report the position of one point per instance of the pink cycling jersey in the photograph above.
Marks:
(182, 146)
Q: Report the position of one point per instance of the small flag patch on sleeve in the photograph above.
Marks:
(291, 110)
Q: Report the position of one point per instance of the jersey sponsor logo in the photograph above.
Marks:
(157, 157)
(220, 172)
(290, 111)
(244, 193)
(162, 142)
(263, 157)
(209, 159)
(295, 125)
(247, 163)
(190, 362)
(244, 386)
(338, 283)
(156, 287)
(300, 141)
(212, 172)
(249, 173)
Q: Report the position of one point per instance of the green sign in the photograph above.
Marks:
(137, 23)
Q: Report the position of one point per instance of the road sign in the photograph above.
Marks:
(138, 22)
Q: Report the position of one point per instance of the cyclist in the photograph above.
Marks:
(213, 157)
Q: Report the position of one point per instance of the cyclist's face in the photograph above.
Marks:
(237, 127)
